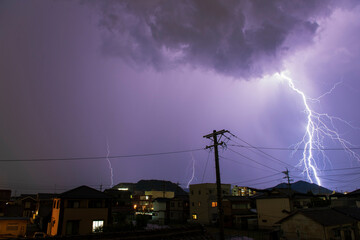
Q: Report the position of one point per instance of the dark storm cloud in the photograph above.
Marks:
(235, 38)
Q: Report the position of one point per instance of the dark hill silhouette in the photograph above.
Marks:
(305, 187)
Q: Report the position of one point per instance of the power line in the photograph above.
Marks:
(279, 179)
(97, 158)
(253, 160)
(240, 163)
(207, 160)
(253, 180)
(293, 149)
(265, 153)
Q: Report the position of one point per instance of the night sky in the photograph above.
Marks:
(88, 79)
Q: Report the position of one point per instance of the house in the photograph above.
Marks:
(121, 207)
(161, 213)
(203, 202)
(351, 199)
(79, 211)
(27, 203)
(143, 204)
(44, 203)
(240, 212)
(179, 209)
(11, 227)
(279, 203)
(5, 196)
(271, 208)
(320, 223)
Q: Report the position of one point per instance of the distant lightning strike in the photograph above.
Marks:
(318, 127)
(193, 170)
(109, 162)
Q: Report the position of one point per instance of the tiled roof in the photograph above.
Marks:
(323, 216)
(353, 212)
(46, 196)
(84, 192)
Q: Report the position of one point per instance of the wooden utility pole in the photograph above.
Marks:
(289, 187)
(214, 137)
(288, 179)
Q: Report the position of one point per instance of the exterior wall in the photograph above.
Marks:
(160, 211)
(179, 210)
(301, 227)
(86, 217)
(270, 211)
(237, 213)
(82, 213)
(15, 227)
(160, 194)
(202, 197)
(55, 218)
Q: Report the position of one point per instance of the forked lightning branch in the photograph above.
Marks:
(319, 126)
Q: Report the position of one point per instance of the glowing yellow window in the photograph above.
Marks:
(194, 217)
(213, 204)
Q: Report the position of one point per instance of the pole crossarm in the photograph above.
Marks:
(215, 133)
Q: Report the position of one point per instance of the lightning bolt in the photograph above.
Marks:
(319, 127)
(193, 170)
(109, 162)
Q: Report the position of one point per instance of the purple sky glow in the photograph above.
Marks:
(156, 76)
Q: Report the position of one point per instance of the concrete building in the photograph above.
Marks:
(276, 204)
(80, 211)
(243, 191)
(203, 202)
(271, 209)
(143, 204)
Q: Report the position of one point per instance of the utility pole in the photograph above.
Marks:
(214, 137)
(288, 178)
(289, 186)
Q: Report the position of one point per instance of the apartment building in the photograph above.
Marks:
(203, 202)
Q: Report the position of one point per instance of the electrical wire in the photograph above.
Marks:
(254, 180)
(253, 160)
(97, 158)
(202, 180)
(292, 149)
(264, 153)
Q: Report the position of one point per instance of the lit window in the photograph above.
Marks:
(147, 197)
(98, 226)
(194, 217)
(213, 204)
(135, 206)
